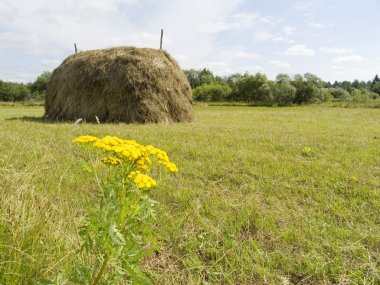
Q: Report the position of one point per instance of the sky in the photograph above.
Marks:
(334, 39)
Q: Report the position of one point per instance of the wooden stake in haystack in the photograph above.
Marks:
(162, 35)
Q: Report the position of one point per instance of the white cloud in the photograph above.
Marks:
(338, 67)
(182, 57)
(217, 67)
(306, 7)
(52, 63)
(319, 25)
(282, 64)
(143, 39)
(230, 55)
(250, 68)
(357, 73)
(281, 39)
(225, 35)
(29, 43)
(299, 50)
(336, 50)
(284, 36)
(20, 73)
(220, 26)
(349, 59)
(262, 36)
(229, 61)
(236, 21)
(48, 29)
(289, 30)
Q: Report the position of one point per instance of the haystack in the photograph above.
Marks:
(123, 84)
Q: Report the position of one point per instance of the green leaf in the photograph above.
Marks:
(137, 276)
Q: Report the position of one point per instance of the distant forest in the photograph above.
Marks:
(283, 91)
(255, 89)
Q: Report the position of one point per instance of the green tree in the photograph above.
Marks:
(376, 79)
(214, 92)
(376, 87)
(308, 88)
(40, 84)
(360, 96)
(11, 91)
(199, 77)
(192, 75)
(253, 88)
(340, 94)
(283, 92)
(283, 78)
(232, 78)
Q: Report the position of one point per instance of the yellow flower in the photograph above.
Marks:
(111, 160)
(130, 152)
(142, 180)
(138, 179)
(85, 139)
(141, 184)
(306, 151)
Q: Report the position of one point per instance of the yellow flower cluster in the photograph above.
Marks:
(169, 165)
(111, 160)
(142, 180)
(162, 158)
(85, 139)
(130, 150)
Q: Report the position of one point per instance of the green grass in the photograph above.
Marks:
(248, 207)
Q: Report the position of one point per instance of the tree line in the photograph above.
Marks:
(12, 91)
(251, 88)
(283, 91)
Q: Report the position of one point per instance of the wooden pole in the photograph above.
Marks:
(75, 47)
(162, 35)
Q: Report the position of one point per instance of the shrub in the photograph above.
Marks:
(253, 88)
(212, 92)
(327, 96)
(284, 93)
(340, 94)
(359, 96)
(308, 89)
(10, 91)
(199, 77)
(39, 85)
(376, 87)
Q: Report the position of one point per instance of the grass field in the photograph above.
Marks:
(248, 207)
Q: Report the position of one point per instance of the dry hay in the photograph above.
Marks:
(123, 84)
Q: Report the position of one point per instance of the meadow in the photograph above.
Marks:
(249, 205)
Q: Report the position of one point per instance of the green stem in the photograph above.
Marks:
(101, 271)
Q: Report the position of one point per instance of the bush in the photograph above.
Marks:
(199, 77)
(373, 95)
(340, 94)
(327, 96)
(10, 91)
(39, 85)
(359, 96)
(284, 93)
(253, 88)
(214, 92)
(308, 89)
(376, 87)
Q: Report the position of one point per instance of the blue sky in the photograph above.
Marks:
(334, 39)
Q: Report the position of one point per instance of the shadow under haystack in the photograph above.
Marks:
(123, 84)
